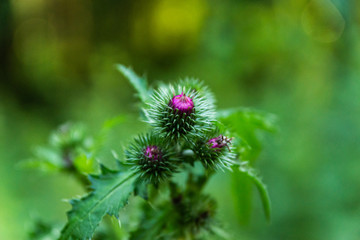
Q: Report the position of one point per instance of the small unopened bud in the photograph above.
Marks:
(183, 103)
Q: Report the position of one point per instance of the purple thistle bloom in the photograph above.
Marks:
(219, 142)
(183, 103)
(152, 153)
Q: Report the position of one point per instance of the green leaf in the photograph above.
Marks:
(261, 187)
(141, 189)
(84, 163)
(45, 159)
(43, 166)
(242, 190)
(111, 191)
(262, 120)
(219, 232)
(43, 231)
(152, 225)
(139, 83)
(243, 124)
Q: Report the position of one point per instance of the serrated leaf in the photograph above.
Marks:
(261, 187)
(111, 191)
(139, 83)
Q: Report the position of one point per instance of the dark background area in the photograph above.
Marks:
(298, 59)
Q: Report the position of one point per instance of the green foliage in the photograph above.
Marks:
(139, 83)
(43, 231)
(45, 160)
(244, 124)
(69, 148)
(185, 212)
(250, 173)
(111, 190)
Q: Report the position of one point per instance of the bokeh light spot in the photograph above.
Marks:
(322, 21)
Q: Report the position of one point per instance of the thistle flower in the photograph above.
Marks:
(182, 112)
(214, 150)
(153, 153)
(219, 142)
(152, 158)
(182, 103)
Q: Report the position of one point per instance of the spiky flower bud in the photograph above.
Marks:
(181, 112)
(152, 158)
(214, 150)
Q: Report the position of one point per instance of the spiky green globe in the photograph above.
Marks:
(185, 111)
(214, 150)
(152, 158)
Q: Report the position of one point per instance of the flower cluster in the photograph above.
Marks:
(185, 137)
(182, 117)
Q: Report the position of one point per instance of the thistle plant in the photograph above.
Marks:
(168, 166)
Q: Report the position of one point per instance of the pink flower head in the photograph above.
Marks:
(219, 142)
(152, 153)
(183, 103)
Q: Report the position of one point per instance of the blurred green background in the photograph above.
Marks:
(299, 59)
